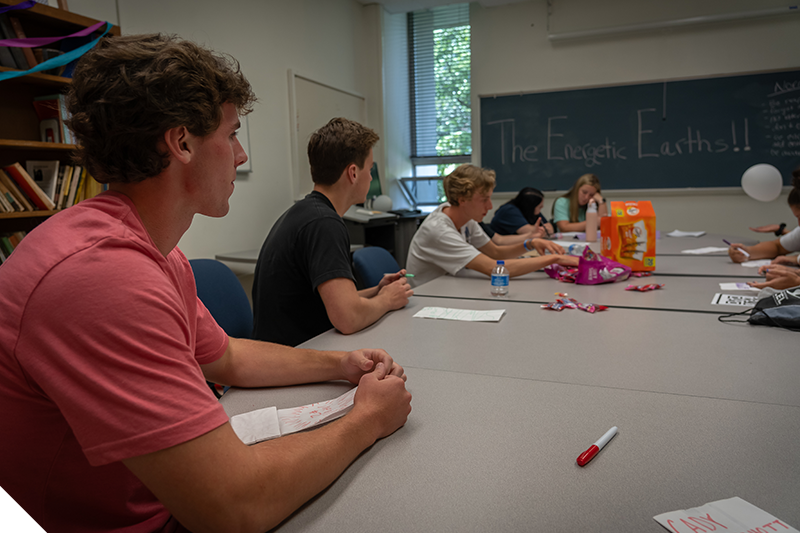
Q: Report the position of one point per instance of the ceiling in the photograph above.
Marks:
(403, 6)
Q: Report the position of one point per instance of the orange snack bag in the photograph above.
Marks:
(629, 235)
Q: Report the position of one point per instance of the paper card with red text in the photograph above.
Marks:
(733, 515)
(271, 423)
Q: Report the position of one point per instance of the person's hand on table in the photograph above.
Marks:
(785, 260)
(538, 230)
(736, 254)
(543, 245)
(567, 260)
(383, 401)
(391, 278)
(769, 228)
(358, 363)
(777, 277)
(397, 292)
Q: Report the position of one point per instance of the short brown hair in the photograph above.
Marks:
(337, 145)
(128, 91)
(465, 181)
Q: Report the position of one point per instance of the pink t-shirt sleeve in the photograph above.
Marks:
(124, 365)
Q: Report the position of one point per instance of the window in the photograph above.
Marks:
(441, 114)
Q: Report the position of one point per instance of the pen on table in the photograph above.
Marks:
(587, 456)
(744, 252)
(403, 276)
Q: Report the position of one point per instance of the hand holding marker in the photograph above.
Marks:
(737, 249)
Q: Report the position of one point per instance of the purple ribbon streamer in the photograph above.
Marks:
(32, 42)
(22, 5)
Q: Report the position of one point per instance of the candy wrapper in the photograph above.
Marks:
(593, 269)
(565, 302)
(641, 274)
(629, 235)
(645, 288)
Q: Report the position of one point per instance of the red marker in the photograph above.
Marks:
(587, 456)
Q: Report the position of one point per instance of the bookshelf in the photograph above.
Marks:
(19, 127)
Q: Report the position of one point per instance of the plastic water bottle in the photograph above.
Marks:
(500, 279)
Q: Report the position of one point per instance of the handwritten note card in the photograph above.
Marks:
(737, 287)
(734, 299)
(733, 515)
(271, 423)
(468, 315)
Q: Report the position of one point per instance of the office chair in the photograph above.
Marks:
(371, 263)
(223, 295)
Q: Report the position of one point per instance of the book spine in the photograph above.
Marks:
(20, 33)
(30, 188)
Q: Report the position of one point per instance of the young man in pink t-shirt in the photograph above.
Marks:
(105, 349)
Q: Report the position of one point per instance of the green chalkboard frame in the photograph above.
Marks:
(688, 133)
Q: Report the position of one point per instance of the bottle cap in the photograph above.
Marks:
(501, 262)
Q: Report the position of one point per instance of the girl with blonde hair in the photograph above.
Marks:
(569, 211)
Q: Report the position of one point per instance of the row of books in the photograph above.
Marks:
(44, 185)
(8, 242)
(20, 57)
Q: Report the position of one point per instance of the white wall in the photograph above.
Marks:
(338, 42)
(332, 41)
(511, 53)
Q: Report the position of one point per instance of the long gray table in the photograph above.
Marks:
(695, 265)
(680, 293)
(705, 411)
(667, 245)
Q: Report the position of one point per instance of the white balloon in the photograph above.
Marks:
(762, 182)
(382, 203)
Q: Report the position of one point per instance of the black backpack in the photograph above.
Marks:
(781, 309)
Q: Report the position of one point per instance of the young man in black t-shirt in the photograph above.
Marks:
(303, 281)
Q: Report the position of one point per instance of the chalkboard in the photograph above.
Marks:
(672, 134)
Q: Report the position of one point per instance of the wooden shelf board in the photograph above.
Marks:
(28, 214)
(35, 145)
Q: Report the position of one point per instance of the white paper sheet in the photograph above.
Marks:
(271, 423)
(679, 233)
(734, 515)
(706, 250)
(468, 315)
(756, 263)
(300, 418)
(737, 287)
(734, 299)
(257, 426)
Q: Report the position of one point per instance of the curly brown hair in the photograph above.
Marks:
(466, 180)
(337, 145)
(128, 91)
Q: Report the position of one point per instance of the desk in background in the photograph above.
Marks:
(387, 230)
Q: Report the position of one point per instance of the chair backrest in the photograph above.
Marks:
(371, 263)
(223, 295)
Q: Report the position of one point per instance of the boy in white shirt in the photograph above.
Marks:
(451, 239)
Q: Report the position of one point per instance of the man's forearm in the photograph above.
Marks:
(250, 363)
